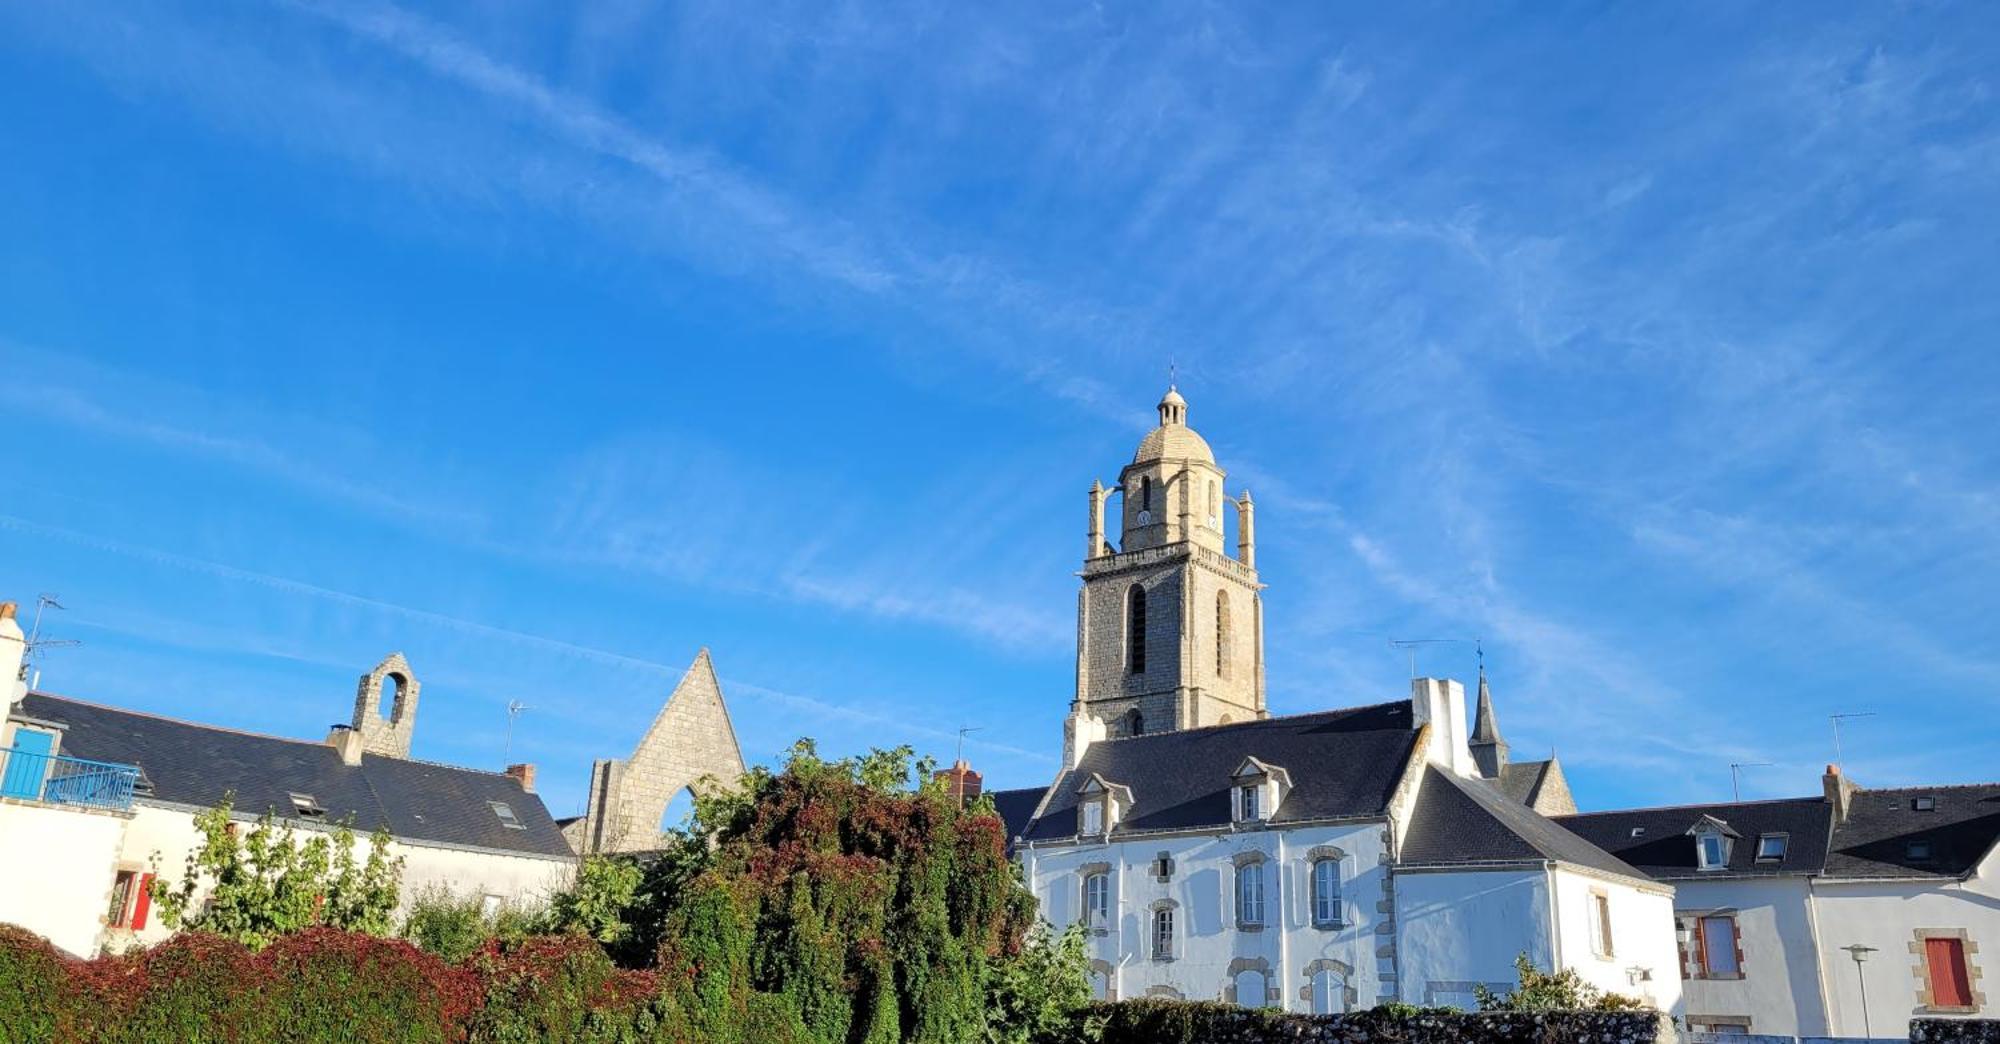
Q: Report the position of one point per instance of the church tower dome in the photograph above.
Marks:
(1170, 625)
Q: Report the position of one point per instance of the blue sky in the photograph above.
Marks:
(1651, 344)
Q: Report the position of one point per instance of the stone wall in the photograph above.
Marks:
(1177, 1022)
(1955, 1031)
(690, 741)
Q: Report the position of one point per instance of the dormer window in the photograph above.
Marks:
(1713, 840)
(1098, 806)
(1923, 804)
(1771, 847)
(1257, 790)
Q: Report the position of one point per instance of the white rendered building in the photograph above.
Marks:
(1319, 862)
(1776, 900)
(95, 800)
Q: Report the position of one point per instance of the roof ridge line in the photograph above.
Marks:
(178, 721)
(1678, 808)
(1254, 721)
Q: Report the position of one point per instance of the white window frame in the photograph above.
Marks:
(1249, 802)
(1092, 815)
(1783, 843)
(1250, 895)
(1163, 941)
(1326, 909)
(1716, 860)
(1097, 907)
(1601, 942)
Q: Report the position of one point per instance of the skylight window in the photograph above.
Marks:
(307, 806)
(506, 814)
(1923, 804)
(1917, 851)
(1638, 831)
(1771, 847)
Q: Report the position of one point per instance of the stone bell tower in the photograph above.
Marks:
(1170, 627)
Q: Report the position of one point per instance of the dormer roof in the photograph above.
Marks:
(1251, 768)
(1708, 824)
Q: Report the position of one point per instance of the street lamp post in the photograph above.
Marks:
(1860, 953)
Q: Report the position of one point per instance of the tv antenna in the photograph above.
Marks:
(963, 731)
(1736, 774)
(1412, 644)
(1837, 719)
(36, 643)
(514, 709)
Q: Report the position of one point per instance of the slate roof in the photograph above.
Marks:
(191, 764)
(1342, 763)
(1874, 840)
(1665, 852)
(1463, 822)
(1522, 780)
(1016, 807)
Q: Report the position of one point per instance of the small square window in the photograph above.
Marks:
(1917, 851)
(1638, 831)
(1771, 847)
(307, 806)
(1923, 804)
(506, 814)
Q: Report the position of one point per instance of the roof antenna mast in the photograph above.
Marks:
(1412, 644)
(963, 730)
(1837, 719)
(514, 709)
(1736, 775)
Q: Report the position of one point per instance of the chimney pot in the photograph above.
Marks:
(7, 610)
(524, 774)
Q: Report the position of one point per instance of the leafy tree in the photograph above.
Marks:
(598, 899)
(1553, 991)
(454, 927)
(258, 885)
(1033, 998)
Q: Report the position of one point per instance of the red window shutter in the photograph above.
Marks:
(143, 903)
(1950, 986)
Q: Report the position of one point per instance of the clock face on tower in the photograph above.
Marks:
(1145, 517)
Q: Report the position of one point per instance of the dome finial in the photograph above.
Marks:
(1173, 408)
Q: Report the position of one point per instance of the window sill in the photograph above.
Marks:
(1951, 1009)
(1738, 977)
(1249, 927)
(1329, 926)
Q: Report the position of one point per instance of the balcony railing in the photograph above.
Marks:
(59, 780)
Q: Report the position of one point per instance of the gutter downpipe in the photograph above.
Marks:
(1820, 957)
(1284, 928)
(1555, 919)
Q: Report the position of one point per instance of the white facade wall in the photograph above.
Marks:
(57, 867)
(168, 833)
(1891, 916)
(1779, 988)
(1459, 928)
(1645, 955)
(1209, 949)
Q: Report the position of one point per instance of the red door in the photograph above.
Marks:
(1951, 987)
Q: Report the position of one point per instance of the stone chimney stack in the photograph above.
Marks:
(1440, 703)
(960, 781)
(13, 654)
(1839, 792)
(523, 774)
(347, 740)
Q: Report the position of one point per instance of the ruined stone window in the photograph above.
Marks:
(1222, 635)
(1135, 630)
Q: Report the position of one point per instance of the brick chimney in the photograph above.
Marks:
(960, 781)
(1839, 792)
(523, 774)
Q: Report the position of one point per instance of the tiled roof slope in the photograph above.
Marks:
(1521, 780)
(1462, 822)
(1342, 763)
(1875, 839)
(1016, 807)
(192, 764)
(1665, 852)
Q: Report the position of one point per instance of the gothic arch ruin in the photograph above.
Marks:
(690, 739)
